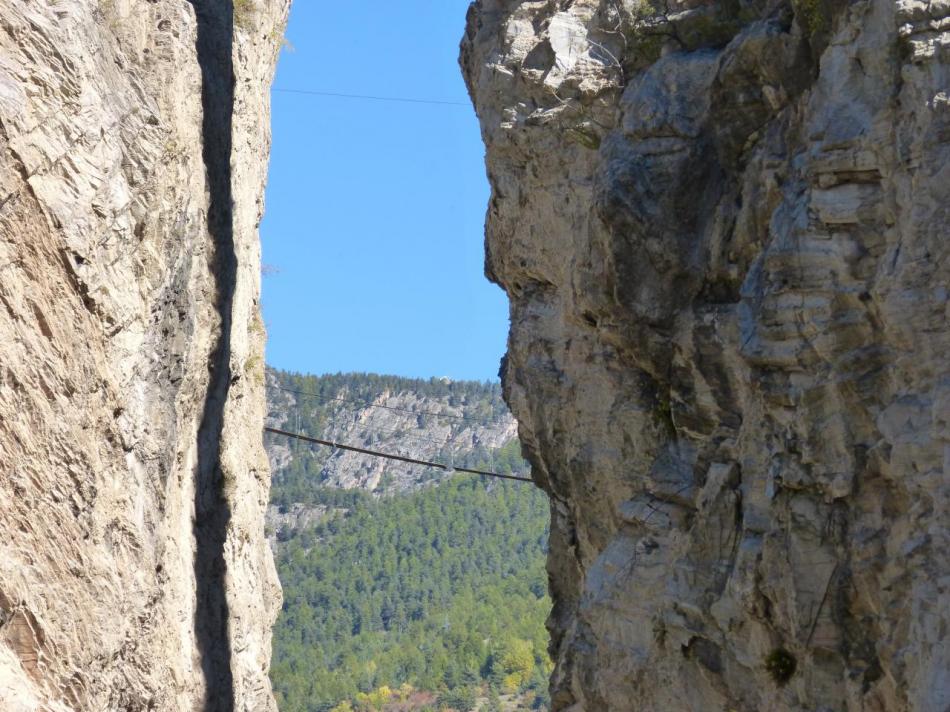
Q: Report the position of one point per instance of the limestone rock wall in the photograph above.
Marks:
(724, 228)
(134, 572)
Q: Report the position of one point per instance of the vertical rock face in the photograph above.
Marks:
(134, 572)
(724, 228)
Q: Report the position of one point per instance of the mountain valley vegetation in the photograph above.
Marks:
(424, 592)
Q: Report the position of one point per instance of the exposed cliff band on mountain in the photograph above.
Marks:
(451, 422)
(723, 227)
(134, 573)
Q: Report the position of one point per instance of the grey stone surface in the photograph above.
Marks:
(134, 571)
(723, 228)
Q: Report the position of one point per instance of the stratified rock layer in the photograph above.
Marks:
(134, 572)
(724, 228)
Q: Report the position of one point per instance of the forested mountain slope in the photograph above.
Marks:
(403, 590)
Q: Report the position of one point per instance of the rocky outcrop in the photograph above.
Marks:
(134, 572)
(463, 429)
(283, 522)
(723, 228)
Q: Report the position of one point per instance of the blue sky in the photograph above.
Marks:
(375, 210)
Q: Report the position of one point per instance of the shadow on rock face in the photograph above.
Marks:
(652, 184)
(212, 511)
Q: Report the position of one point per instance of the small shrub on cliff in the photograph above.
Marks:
(781, 665)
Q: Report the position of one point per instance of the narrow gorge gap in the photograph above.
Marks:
(721, 234)
(408, 534)
(215, 40)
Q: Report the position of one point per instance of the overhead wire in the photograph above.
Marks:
(370, 97)
(419, 441)
(373, 429)
(391, 456)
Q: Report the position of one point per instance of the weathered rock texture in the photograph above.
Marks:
(724, 228)
(134, 573)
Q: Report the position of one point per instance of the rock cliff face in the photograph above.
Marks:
(134, 573)
(724, 228)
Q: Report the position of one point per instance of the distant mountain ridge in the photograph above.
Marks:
(452, 422)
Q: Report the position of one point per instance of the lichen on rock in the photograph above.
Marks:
(723, 230)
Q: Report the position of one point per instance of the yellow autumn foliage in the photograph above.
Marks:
(518, 663)
(376, 699)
